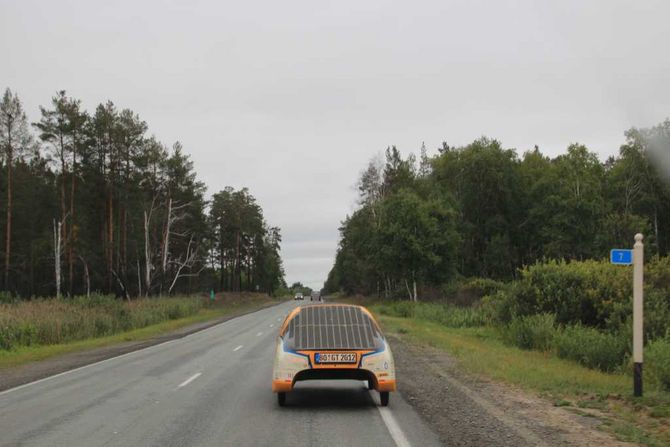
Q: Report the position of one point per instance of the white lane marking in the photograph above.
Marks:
(259, 334)
(238, 348)
(189, 380)
(138, 351)
(272, 325)
(393, 427)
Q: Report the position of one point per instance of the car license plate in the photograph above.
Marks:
(335, 357)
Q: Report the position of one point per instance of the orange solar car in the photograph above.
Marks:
(332, 341)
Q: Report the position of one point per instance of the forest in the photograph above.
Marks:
(483, 211)
(92, 203)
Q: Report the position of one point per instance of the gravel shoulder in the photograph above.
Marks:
(467, 411)
(19, 375)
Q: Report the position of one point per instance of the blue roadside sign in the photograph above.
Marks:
(621, 256)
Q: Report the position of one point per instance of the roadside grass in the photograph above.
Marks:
(607, 396)
(22, 355)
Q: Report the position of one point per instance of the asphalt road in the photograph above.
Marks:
(209, 388)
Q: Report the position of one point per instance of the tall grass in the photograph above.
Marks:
(592, 348)
(657, 360)
(54, 321)
(532, 332)
(447, 315)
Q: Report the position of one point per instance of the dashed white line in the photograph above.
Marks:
(189, 380)
(259, 334)
(238, 348)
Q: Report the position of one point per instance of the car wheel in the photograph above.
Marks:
(384, 397)
(281, 399)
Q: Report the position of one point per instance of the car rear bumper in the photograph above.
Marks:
(378, 383)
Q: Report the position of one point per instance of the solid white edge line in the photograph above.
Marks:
(44, 379)
(392, 426)
(189, 380)
(238, 348)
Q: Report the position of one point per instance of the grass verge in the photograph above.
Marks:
(27, 354)
(607, 396)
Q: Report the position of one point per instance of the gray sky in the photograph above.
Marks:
(292, 98)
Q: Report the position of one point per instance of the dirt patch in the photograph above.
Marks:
(465, 411)
(19, 375)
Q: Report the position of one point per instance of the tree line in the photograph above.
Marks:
(482, 210)
(92, 203)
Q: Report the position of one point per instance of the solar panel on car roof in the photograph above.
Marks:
(331, 327)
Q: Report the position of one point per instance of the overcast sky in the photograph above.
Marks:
(292, 98)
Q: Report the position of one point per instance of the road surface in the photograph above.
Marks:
(211, 388)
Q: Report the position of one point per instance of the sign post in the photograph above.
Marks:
(636, 257)
(638, 306)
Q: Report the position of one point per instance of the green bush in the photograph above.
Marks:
(591, 347)
(591, 293)
(531, 332)
(518, 299)
(578, 292)
(657, 362)
(470, 291)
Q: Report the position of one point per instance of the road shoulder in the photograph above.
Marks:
(467, 411)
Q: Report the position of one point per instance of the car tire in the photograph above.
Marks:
(384, 398)
(281, 399)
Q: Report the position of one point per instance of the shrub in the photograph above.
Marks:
(657, 362)
(592, 293)
(516, 300)
(591, 347)
(469, 292)
(531, 332)
(579, 292)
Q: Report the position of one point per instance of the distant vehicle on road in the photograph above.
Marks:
(315, 296)
(298, 296)
(332, 342)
